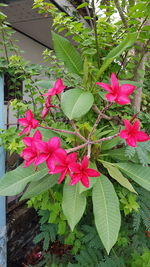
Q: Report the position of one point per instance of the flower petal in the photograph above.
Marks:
(105, 86)
(142, 137)
(110, 97)
(85, 162)
(40, 159)
(92, 173)
(123, 134)
(24, 131)
(59, 86)
(127, 89)
(60, 156)
(54, 143)
(75, 167)
(62, 176)
(23, 122)
(27, 141)
(85, 180)
(114, 83)
(75, 178)
(72, 157)
(127, 124)
(122, 99)
(45, 112)
(58, 169)
(131, 141)
(28, 163)
(51, 163)
(28, 153)
(29, 115)
(136, 126)
(48, 101)
(34, 123)
(42, 146)
(37, 135)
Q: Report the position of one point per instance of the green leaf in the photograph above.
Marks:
(73, 204)
(106, 212)
(117, 154)
(136, 172)
(106, 145)
(15, 181)
(66, 52)
(117, 175)
(82, 5)
(76, 103)
(45, 84)
(117, 51)
(37, 187)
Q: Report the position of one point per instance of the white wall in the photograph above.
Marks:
(32, 53)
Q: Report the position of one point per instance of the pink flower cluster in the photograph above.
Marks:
(56, 158)
(57, 89)
(38, 151)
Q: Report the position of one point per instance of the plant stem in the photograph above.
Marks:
(104, 139)
(95, 32)
(4, 43)
(122, 16)
(99, 119)
(76, 148)
(89, 151)
(57, 130)
(77, 132)
(89, 143)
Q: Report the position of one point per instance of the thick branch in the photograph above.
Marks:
(121, 13)
(58, 130)
(76, 148)
(97, 111)
(95, 32)
(104, 139)
(98, 119)
(77, 132)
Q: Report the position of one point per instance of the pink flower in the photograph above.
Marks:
(81, 172)
(48, 152)
(47, 107)
(63, 166)
(57, 89)
(132, 135)
(28, 122)
(30, 153)
(118, 94)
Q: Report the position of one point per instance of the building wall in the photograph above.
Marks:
(33, 53)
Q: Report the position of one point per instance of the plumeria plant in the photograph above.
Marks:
(85, 158)
(76, 153)
(77, 167)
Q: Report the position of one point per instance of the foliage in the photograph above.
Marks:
(67, 126)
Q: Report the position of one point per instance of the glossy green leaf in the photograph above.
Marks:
(82, 5)
(76, 103)
(106, 212)
(106, 145)
(73, 204)
(37, 187)
(117, 175)
(66, 52)
(45, 84)
(15, 181)
(136, 172)
(117, 51)
(117, 154)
